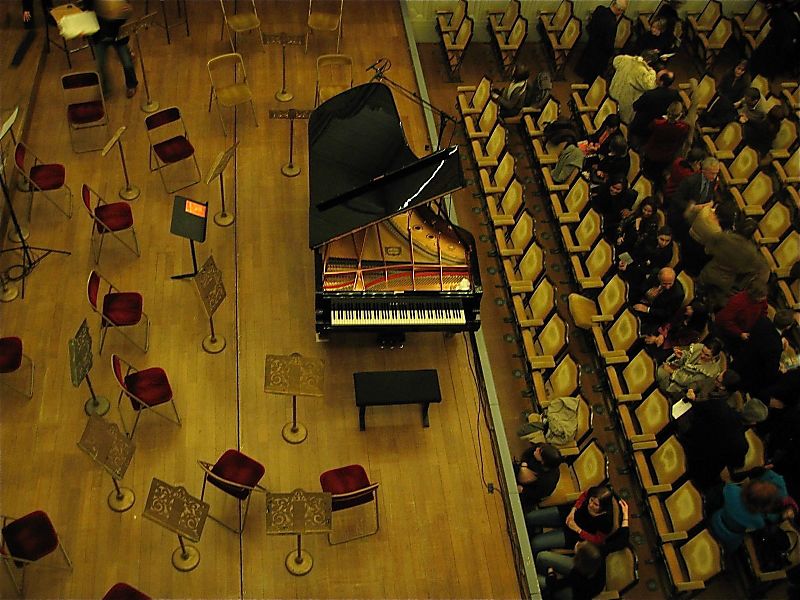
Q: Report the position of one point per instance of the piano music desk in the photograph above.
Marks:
(385, 388)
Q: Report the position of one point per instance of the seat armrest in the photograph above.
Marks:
(510, 252)
(615, 359)
(579, 86)
(651, 445)
(486, 162)
(503, 220)
(578, 249)
(542, 362)
(569, 217)
(629, 397)
(788, 85)
(466, 88)
(753, 210)
(658, 489)
(689, 586)
(591, 283)
(765, 241)
(520, 287)
(674, 536)
(602, 318)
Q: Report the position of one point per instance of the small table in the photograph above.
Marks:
(385, 388)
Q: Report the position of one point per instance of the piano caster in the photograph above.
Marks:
(391, 340)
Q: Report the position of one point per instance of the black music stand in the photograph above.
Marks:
(132, 28)
(189, 219)
(282, 38)
(290, 169)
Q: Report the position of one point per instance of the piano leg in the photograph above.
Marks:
(425, 421)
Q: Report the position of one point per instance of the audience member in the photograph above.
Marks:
(750, 106)
(602, 30)
(641, 226)
(758, 359)
(735, 320)
(648, 255)
(584, 574)
(774, 54)
(730, 90)
(667, 137)
(511, 99)
(685, 328)
(698, 188)
(690, 367)
(613, 200)
(611, 161)
(683, 167)
(760, 134)
(658, 38)
(570, 161)
(662, 299)
(537, 474)
(633, 76)
(651, 105)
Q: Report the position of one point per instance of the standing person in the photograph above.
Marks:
(683, 167)
(111, 15)
(735, 320)
(651, 105)
(699, 188)
(758, 359)
(633, 76)
(602, 30)
(511, 98)
(667, 136)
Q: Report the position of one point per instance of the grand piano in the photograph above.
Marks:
(387, 258)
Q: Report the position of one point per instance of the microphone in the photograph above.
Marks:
(378, 65)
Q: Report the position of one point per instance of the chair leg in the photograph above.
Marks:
(339, 34)
(253, 107)
(135, 423)
(99, 249)
(307, 32)
(18, 585)
(177, 416)
(103, 332)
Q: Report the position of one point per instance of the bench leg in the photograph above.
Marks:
(362, 418)
(425, 421)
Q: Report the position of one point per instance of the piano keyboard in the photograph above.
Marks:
(422, 312)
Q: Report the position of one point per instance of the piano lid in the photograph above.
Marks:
(361, 170)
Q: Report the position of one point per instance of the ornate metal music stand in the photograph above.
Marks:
(80, 363)
(294, 375)
(290, 169)
(174, 509)
(132, 28)
(212, 293)
(112, 450)
(222, 218)
(296, 513)
(284, 39)
(129, 192)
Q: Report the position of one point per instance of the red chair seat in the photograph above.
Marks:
(48, 176)
(116, 216)
(10, 354)
(85, 112)
(151, 386)
(122, 308)
(30, 537)
(343, 481)
(235, 466)
(123, 591)
(174, 149)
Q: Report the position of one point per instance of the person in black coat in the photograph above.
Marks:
(758, 359)
(774, 54)
(652, 105)
(537, 474)
(699, 188)
(662, 299)
(602, 30)
(730, 90)
(614, 201)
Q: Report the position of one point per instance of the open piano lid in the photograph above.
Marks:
(361, 170)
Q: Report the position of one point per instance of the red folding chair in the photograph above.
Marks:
(118, 309)
(108, 219)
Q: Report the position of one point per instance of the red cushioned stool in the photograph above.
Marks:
(11, 357)
(237, 475)
(26, 540)
(354, 503)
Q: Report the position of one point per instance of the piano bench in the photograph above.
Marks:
(385, 388)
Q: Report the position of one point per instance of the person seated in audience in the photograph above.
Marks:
(735, 320)
(537, 474)
(690, 367)
(611, 160)
(683, 167)
(713, 433)
(734, 262)
(595, 517)
(570, 161)
(760, 134)
(667, 137)
(602, 32)
(774, 54)
(687, 327)
(761, 500)
(633, 76)
(730, 90)
(639, 227)
(658, 38)
(758, 359)
(511, 99)
(648, 255)
(650, 106)
(614, 201)
(750, 107)
(660, 302)
(583, 575)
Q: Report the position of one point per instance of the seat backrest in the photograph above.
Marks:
(600, 259)
(93, 288)
(588, 230)
(640, 373)
(591, 466)
(756, 16)
(608, 107)
(464, 33)
(116, 367)
(704, 91)
(745, 163)
(624, 332)
(512, 198)
(482, 94)
(543, 299)
(531, 266)
(522, 232)
(518, 33)
(685, 507)
(578, 196)
(162, 117)
(729, 138)
(624, 27)
(596, 92)
(552, 338)
(621, 571)
(20, 154)
(786, 136)
(333, 9)
(458, 14)
(763, 33)
(86, 194)
(83, 79)
(226, 70)
(776, 221)
(710, 14)
(613, 296)
(488, 118)
(761, 83)
(564, 379)
(653, 413)
(505, 170)
(719, 36)
(668, 461)
(702, 556)
(571, 33)
(759, 190)
(496, 143)
(549, 113)
(562, 15)
(786, 252)
(511, 12)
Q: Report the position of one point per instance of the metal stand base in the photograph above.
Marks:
(9, 293)
(96, 406)
(150, 106)
(224, 219)
(283, 96)
(13, 237)
(214, 345)
(296, 434)
(129, 193)
(122, 501)
(186, 561)
(299, 567)
(290, 170)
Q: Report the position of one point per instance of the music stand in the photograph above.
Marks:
(112, 450)
(283, 39)
(189, 218)
(129, 192)
(80, 363)
(212, 293)
(290, 169)
(132, 28)
(184, 515)
(294, 375)
(296, 513)
(222, 218)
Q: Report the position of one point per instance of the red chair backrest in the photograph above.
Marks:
(92, 287)
(162, 117)
(116, 365)
(87, 197)
(19, 156)
(79, 80)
